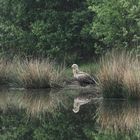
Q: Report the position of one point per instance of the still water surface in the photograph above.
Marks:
(70, 114)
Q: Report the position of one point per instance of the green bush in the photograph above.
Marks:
(117, 23)
(47, 28)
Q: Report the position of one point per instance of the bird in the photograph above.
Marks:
(82, 77)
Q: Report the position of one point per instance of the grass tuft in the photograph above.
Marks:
(119, 75)
(38, 74)
(5, 71)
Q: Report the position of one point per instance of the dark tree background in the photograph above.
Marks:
(54, 28)
(70, 30)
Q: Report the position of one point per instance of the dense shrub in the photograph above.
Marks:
(117, 23)
(51, 28)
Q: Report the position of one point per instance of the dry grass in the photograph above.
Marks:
(131, 80)
(35, 73)
(5, 71)
(38, 74)
(119, 75)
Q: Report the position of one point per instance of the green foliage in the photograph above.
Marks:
(48, 28)
(69, 30)
(113, 136)
(117, 23)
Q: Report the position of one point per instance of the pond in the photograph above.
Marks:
(70, 114)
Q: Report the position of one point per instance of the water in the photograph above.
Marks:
(70, 114)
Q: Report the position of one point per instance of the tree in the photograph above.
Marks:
(56, 28)
(117, 23)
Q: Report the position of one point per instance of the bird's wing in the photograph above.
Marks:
(85, 77)
(81, 72)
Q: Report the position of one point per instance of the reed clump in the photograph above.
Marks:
(119, 75)
(5, 71)
(38, 74)
(33, 73)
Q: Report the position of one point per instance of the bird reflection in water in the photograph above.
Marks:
(79, 102)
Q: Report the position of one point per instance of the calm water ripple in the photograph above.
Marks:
(66, 115)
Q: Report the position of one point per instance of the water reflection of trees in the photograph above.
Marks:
(119, 115)
(112, 115)
(88, 123)
(64, 125)
(34, 102)
(8, 100)
(40, 102)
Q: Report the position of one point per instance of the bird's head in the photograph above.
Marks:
(74, 67)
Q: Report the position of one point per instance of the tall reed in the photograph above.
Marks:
(119, 75)
(5, 71)
(38, 74)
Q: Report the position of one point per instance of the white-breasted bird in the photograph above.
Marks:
(82, 77)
